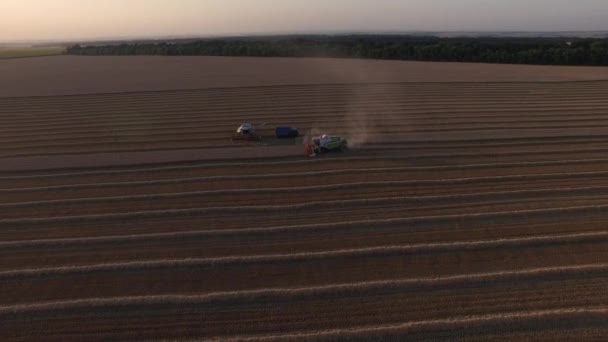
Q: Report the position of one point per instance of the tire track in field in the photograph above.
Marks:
(209, 142)
(416, 157)
(220, 126)
(29, 254)
(515, 216)
(249, 93)
(433, 103)
(135, 135)
(341, 172)
(201, 276)
(537, 274)
(98, 206)
(159, 130)
(300, 113)
(246, 261)
(584, 321)
(573, 140)
(318, 112)
(147, 97)
(89, 112)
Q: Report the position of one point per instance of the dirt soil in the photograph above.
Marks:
(472, 210)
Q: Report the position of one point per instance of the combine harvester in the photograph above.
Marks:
(324, 144)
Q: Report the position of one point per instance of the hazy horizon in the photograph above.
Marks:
(65, 20)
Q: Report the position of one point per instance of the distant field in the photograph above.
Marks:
(30, 52)
(115, 74)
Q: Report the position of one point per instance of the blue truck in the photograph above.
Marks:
(286, 132)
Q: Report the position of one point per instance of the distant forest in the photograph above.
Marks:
(552, 51)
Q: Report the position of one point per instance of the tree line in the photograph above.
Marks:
(551, 51)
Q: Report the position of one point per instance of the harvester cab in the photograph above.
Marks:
(324, 141)
(246, 128)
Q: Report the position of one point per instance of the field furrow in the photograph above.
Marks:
(463, 207)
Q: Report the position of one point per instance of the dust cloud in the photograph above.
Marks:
(369, 111)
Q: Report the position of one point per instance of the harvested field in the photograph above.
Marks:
(471, 206)
(68, 75)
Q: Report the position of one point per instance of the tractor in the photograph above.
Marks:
(246, 132)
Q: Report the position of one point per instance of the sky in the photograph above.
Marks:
(93, 19)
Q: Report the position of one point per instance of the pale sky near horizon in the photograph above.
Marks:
(89, 19)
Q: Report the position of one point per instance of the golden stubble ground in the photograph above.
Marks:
(473, 204)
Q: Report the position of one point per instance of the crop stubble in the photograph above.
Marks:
(470, 210)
